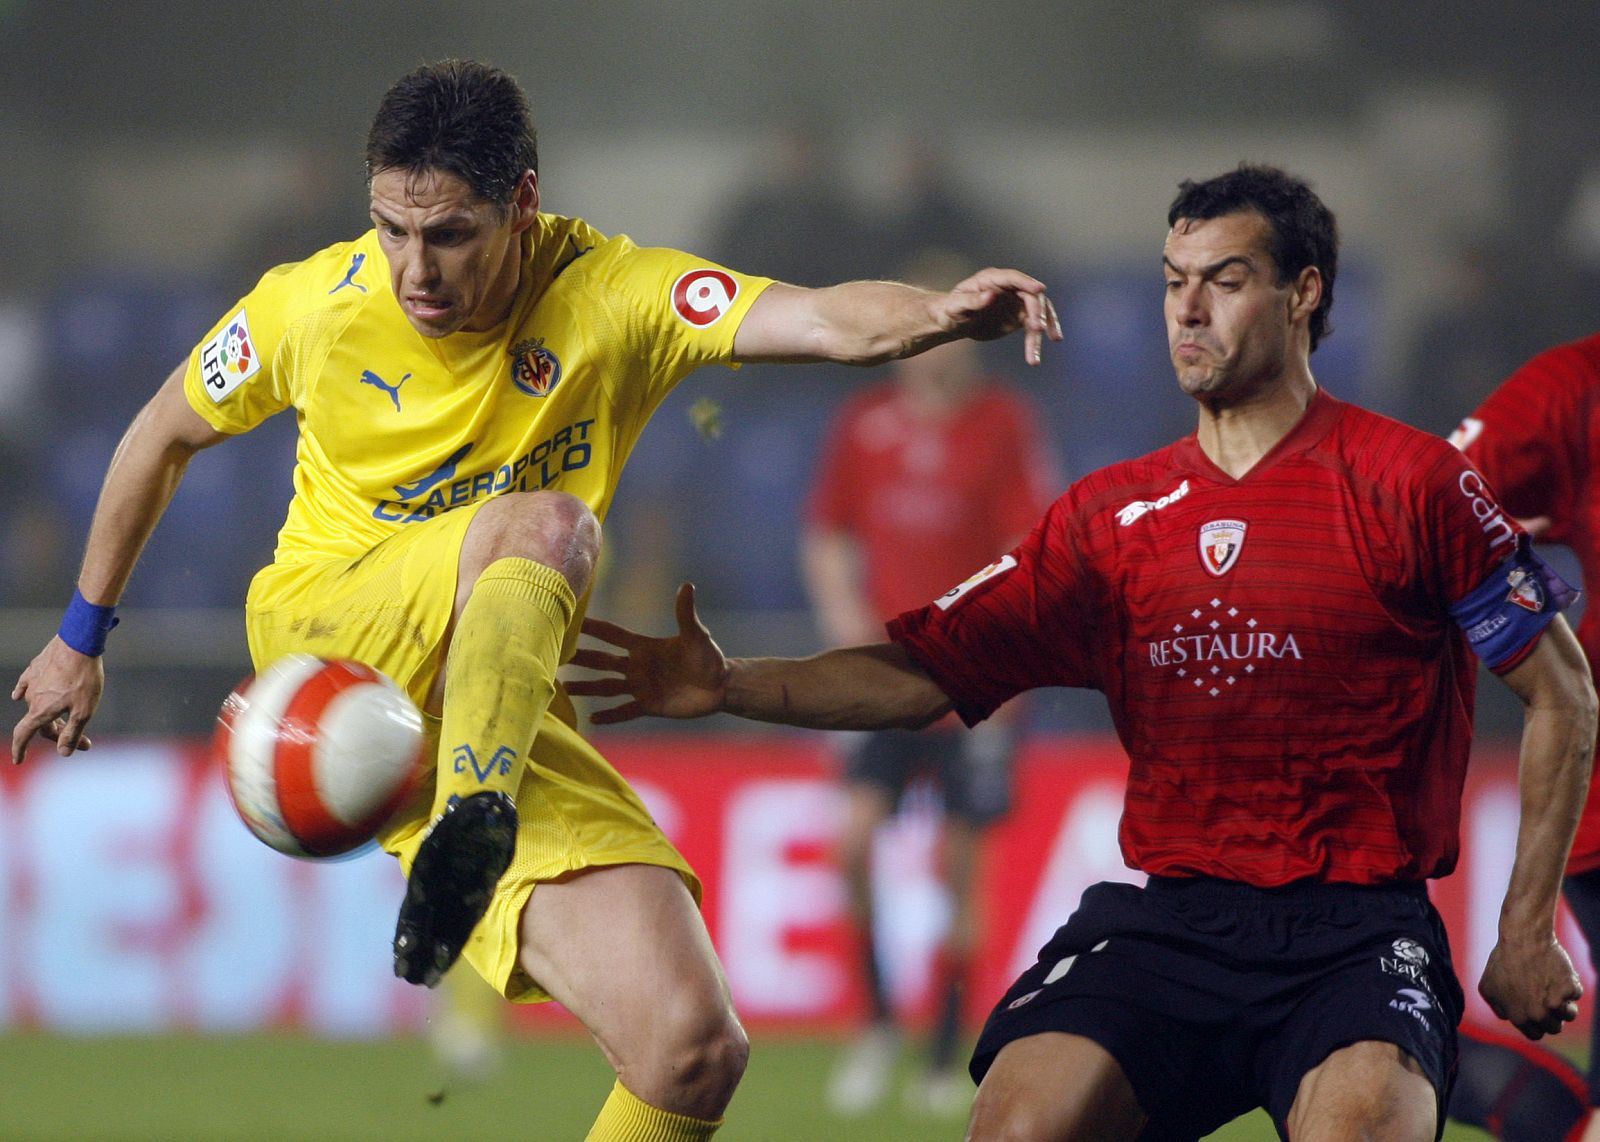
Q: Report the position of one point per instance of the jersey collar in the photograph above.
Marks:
(1315, 423)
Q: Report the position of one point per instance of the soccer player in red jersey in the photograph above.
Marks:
(926, 475)
(1281, 611)
(1535, 439)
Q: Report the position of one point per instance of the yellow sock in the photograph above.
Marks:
(500, 676)
(626, 1119)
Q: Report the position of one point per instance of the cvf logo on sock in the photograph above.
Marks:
(701, 297)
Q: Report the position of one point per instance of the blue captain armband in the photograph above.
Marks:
(1503, 614)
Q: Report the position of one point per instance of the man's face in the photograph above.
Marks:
(454, 258)
(1230, 326)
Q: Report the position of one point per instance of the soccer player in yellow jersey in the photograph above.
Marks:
(468, 378)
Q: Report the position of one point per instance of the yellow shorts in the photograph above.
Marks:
(390, 608)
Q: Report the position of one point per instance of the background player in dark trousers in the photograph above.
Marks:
(926, 475)
(468, 378)
(1279, 610)
(1536, 439)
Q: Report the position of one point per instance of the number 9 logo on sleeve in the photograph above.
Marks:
(701, 297)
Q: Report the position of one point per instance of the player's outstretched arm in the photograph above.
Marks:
(1529, 980)
(870, 322)
(687, 676)
(62, 685)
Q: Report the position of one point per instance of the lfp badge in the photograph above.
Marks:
(534, 369)
(229, 358)
(1220, 543)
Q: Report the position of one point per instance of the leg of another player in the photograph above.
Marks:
(862, 1073)
(1582, 894)
(525, 559)
(946, 1087)
(1370, 1090)
(1515, 1090)
(1054, 1087)
(625, 950)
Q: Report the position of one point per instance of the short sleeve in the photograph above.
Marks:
(1500, 594)
(235, 377)
(1025, 621)
(688, 309)
(1529, 438)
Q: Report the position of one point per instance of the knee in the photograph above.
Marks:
(702, 1058)
(552, 528)
(716, 1058)
(1371, 1090)
(1002, 1120)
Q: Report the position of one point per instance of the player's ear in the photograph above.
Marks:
(525, 202)
(1306, 294)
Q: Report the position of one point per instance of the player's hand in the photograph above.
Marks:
(62, 689)
(1533, 986)
(679, 677)
(992, 303)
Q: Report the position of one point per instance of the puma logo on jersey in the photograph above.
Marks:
(368, 377)
(349, 279)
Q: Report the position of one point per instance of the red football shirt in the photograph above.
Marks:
(1537, 440)
(1277, 651)
(928, 498)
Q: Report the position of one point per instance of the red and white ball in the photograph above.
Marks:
(318, 753)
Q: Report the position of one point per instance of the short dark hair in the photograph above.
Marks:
(1304, 232)
(458, 116)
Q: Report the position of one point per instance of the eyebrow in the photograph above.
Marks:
(1214, 268)
(455, 218)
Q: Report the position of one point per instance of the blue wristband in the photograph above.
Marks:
(84, 626)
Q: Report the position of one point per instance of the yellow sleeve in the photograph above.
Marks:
(236, 376)
(687, 309)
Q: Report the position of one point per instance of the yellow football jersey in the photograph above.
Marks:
(396, 428)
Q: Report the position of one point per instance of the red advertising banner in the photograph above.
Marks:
(132, 899)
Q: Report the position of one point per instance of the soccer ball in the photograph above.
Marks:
(318, 753)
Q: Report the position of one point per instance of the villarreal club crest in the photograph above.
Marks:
(534, 369)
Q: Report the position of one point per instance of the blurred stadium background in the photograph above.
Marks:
(166, 977)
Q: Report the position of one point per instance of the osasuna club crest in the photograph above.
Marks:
(1220, 543)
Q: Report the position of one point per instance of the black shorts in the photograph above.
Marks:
(1582, 894)
(971, 769)
(1216, 997)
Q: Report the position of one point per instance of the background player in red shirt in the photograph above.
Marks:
(926, 475)
(1279, 610)
(1536, 439)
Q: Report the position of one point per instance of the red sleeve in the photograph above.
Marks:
(1466, 533)
(1530, 437)
(1020, 623)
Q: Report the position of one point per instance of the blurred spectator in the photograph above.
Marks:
(800, 223)
(924, 479)
(714, 487)
(930, 209)
(35, 553)
(322, 203)
(1460, 351)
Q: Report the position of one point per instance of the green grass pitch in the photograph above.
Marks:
(289, 1088)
